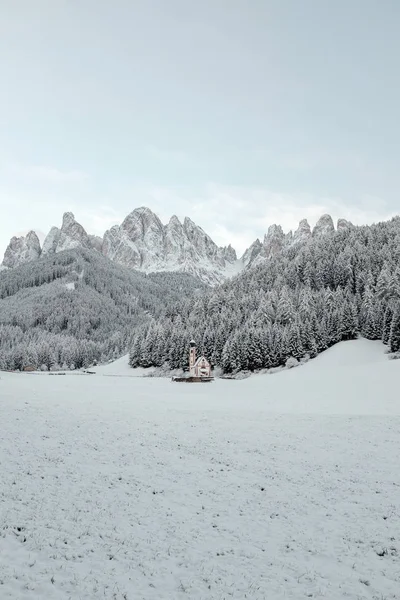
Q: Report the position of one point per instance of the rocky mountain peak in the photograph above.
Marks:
(344, 224)
(174, 222)
(68, 221)
(71, 235)
(274, 231)
(201, 241)
(229, 254)
(21, 250)
(324, 225)
(174, 236)
(251, 253)
(51, 241)
(303, 232)
(143, 242)
(142, 223)
(273, 240)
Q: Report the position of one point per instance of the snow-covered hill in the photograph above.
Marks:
(120, 368)
(283, 486)
(348, 378)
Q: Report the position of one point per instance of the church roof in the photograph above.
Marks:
(200, 359)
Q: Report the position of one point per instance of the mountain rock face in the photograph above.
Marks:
(22, 250)
(302, 233)
(71, 235)
(51, 241)
(343, 224)
(251, 253)
(144, 243)
(229, 254)
(324, 225)
(275, 240)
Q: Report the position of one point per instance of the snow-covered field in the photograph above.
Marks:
(278, 486)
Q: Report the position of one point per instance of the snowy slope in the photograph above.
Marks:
(322, 385)
(354, 377)
(120, 368)
(281, 486)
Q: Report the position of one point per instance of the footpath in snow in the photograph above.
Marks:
(277, 486)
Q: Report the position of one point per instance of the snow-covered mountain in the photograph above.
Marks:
(141, 242)
(276, 240)
(299, 299)
(144, 243)
(21, 250)
(71, 235)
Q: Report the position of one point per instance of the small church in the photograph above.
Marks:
(199, 367)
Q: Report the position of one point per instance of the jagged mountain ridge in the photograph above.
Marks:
(144, 243)
(275, 240)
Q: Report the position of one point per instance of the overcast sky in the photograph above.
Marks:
(237, 113)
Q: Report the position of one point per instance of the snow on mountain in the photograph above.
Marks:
(274, 242)
(71, 235)
(324, 225)
(21, 250)
(251, 253)
(144, 243)
(51, 241)
(343, 224)
(302, 233)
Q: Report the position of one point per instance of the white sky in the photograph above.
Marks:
(236, 114)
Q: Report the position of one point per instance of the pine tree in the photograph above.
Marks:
(348, 321)
(285, 311)
(294, 343)
(387, 323)
(394, 341)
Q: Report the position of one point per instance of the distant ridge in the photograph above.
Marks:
(144, 243)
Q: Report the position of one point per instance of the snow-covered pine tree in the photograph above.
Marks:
(394, 340)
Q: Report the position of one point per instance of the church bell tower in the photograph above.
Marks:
(192, 356)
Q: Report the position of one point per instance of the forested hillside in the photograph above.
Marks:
(77, 307)
(299, 302)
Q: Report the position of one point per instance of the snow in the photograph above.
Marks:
(121, 368)
(277, 486)
(234, 268)
(353, 377)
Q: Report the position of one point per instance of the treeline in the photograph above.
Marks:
(298, 303)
